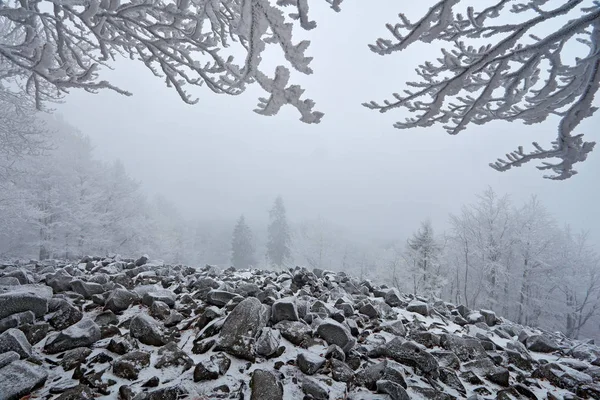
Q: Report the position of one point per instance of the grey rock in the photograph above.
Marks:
(315, 389)
(171, 355)
(17, 299)
(335, 333)
(294, 331)
(83, 334)
(465, 348)
(147, 330)
(8, 357)
(159, 310)
(120, 300)
(129, 365)
(392, 298)
(166, 296)
(75, 357)
(541, 344)
(409, 353)
(265, 386)
(284, 309)
(65, 316)
(340, 371)
(220, 297)
(16, 320)
(309, 363)
(418, 307)
(106, 318)
(241, 328)
(20, 378)
(86, 289)
(15, 340)
(394, 390)
(268, 342)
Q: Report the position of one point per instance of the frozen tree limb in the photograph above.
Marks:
(503, 79)
(57, 45)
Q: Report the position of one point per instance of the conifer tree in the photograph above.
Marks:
(278, 246)
(242, 249)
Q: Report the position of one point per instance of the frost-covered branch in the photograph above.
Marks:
(56, 45)
(497, 72)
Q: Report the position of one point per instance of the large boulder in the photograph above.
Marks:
(241, 328)
(20, 378)
(120, 300)
(335, 333)
(15, 340)
(265, 386)
(409, 353)
(284, 309)
(83, 334)
(17, 299)
(147, 330)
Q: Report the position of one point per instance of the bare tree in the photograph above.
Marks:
(504, 71)
(56, 45)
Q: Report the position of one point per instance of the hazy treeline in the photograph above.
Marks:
(60, 202)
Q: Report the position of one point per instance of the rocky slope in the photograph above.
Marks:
(133, 329)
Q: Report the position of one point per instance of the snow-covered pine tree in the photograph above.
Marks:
(242, 247)
(278, 244)
(504, 60)
(423, 257)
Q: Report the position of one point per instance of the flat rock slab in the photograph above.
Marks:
(16, 299)
(20, 378)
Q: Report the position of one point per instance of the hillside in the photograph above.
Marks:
(138, 330)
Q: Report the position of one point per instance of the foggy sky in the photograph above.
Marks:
(220, 159)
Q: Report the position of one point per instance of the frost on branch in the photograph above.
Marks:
(56, 45)
(504, 72)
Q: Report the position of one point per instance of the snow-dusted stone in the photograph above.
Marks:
(369, 310)
(9, 281)
(265, 386)
(20, 378)
(75, 357)
(65, 316)
(393, 298)
(392, 389)
(83, 334)
(129, 365)
(387, 370)
(284, 309)
(15, 340)
(489, 317)
(60, 281)
(313, 388)
(106, 318)
(541, 344)
(340, 371)
(335, 333)
(147, 330)
(408, 353)
(562, 376)
(17, 299)
(120, 300)
(241, 328)
(309, 363)
(159, 310)
(465, 348)
(164, 295)
(418, 307)
(86, 289)
(220, 297)
(171, 355)
(268, 342)
(16, 320)
(8, 357)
